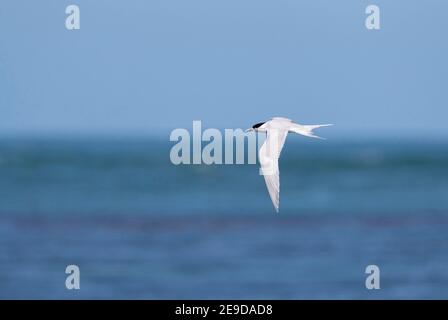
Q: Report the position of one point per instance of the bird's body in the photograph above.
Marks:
(276, 131)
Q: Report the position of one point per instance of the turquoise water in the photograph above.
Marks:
(141, 227)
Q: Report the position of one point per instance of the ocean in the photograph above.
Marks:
(140, 227)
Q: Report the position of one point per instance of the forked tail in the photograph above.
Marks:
(307, 130)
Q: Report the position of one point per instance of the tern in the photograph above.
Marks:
(276, 131)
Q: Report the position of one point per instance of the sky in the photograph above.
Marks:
(148, 67)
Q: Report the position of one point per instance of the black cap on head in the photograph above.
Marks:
(258, 124)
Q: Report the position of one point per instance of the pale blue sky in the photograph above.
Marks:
(142, 66)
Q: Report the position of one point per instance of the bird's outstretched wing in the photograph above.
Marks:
(268, 155)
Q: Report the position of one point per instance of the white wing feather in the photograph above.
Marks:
(269, 154)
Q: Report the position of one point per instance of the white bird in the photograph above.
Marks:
(276, 131)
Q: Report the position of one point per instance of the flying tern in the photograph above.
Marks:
(276, 131)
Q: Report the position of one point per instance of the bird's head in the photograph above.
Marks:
(255, 127)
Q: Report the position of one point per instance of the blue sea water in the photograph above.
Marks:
(140, 227)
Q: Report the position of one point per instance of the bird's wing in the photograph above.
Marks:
(269, 154)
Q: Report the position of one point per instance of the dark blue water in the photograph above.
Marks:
(141, 227)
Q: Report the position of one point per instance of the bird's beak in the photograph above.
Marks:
(249, 130)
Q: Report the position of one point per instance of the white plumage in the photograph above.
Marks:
(276, 131)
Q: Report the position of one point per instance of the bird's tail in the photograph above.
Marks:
(307, 130)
